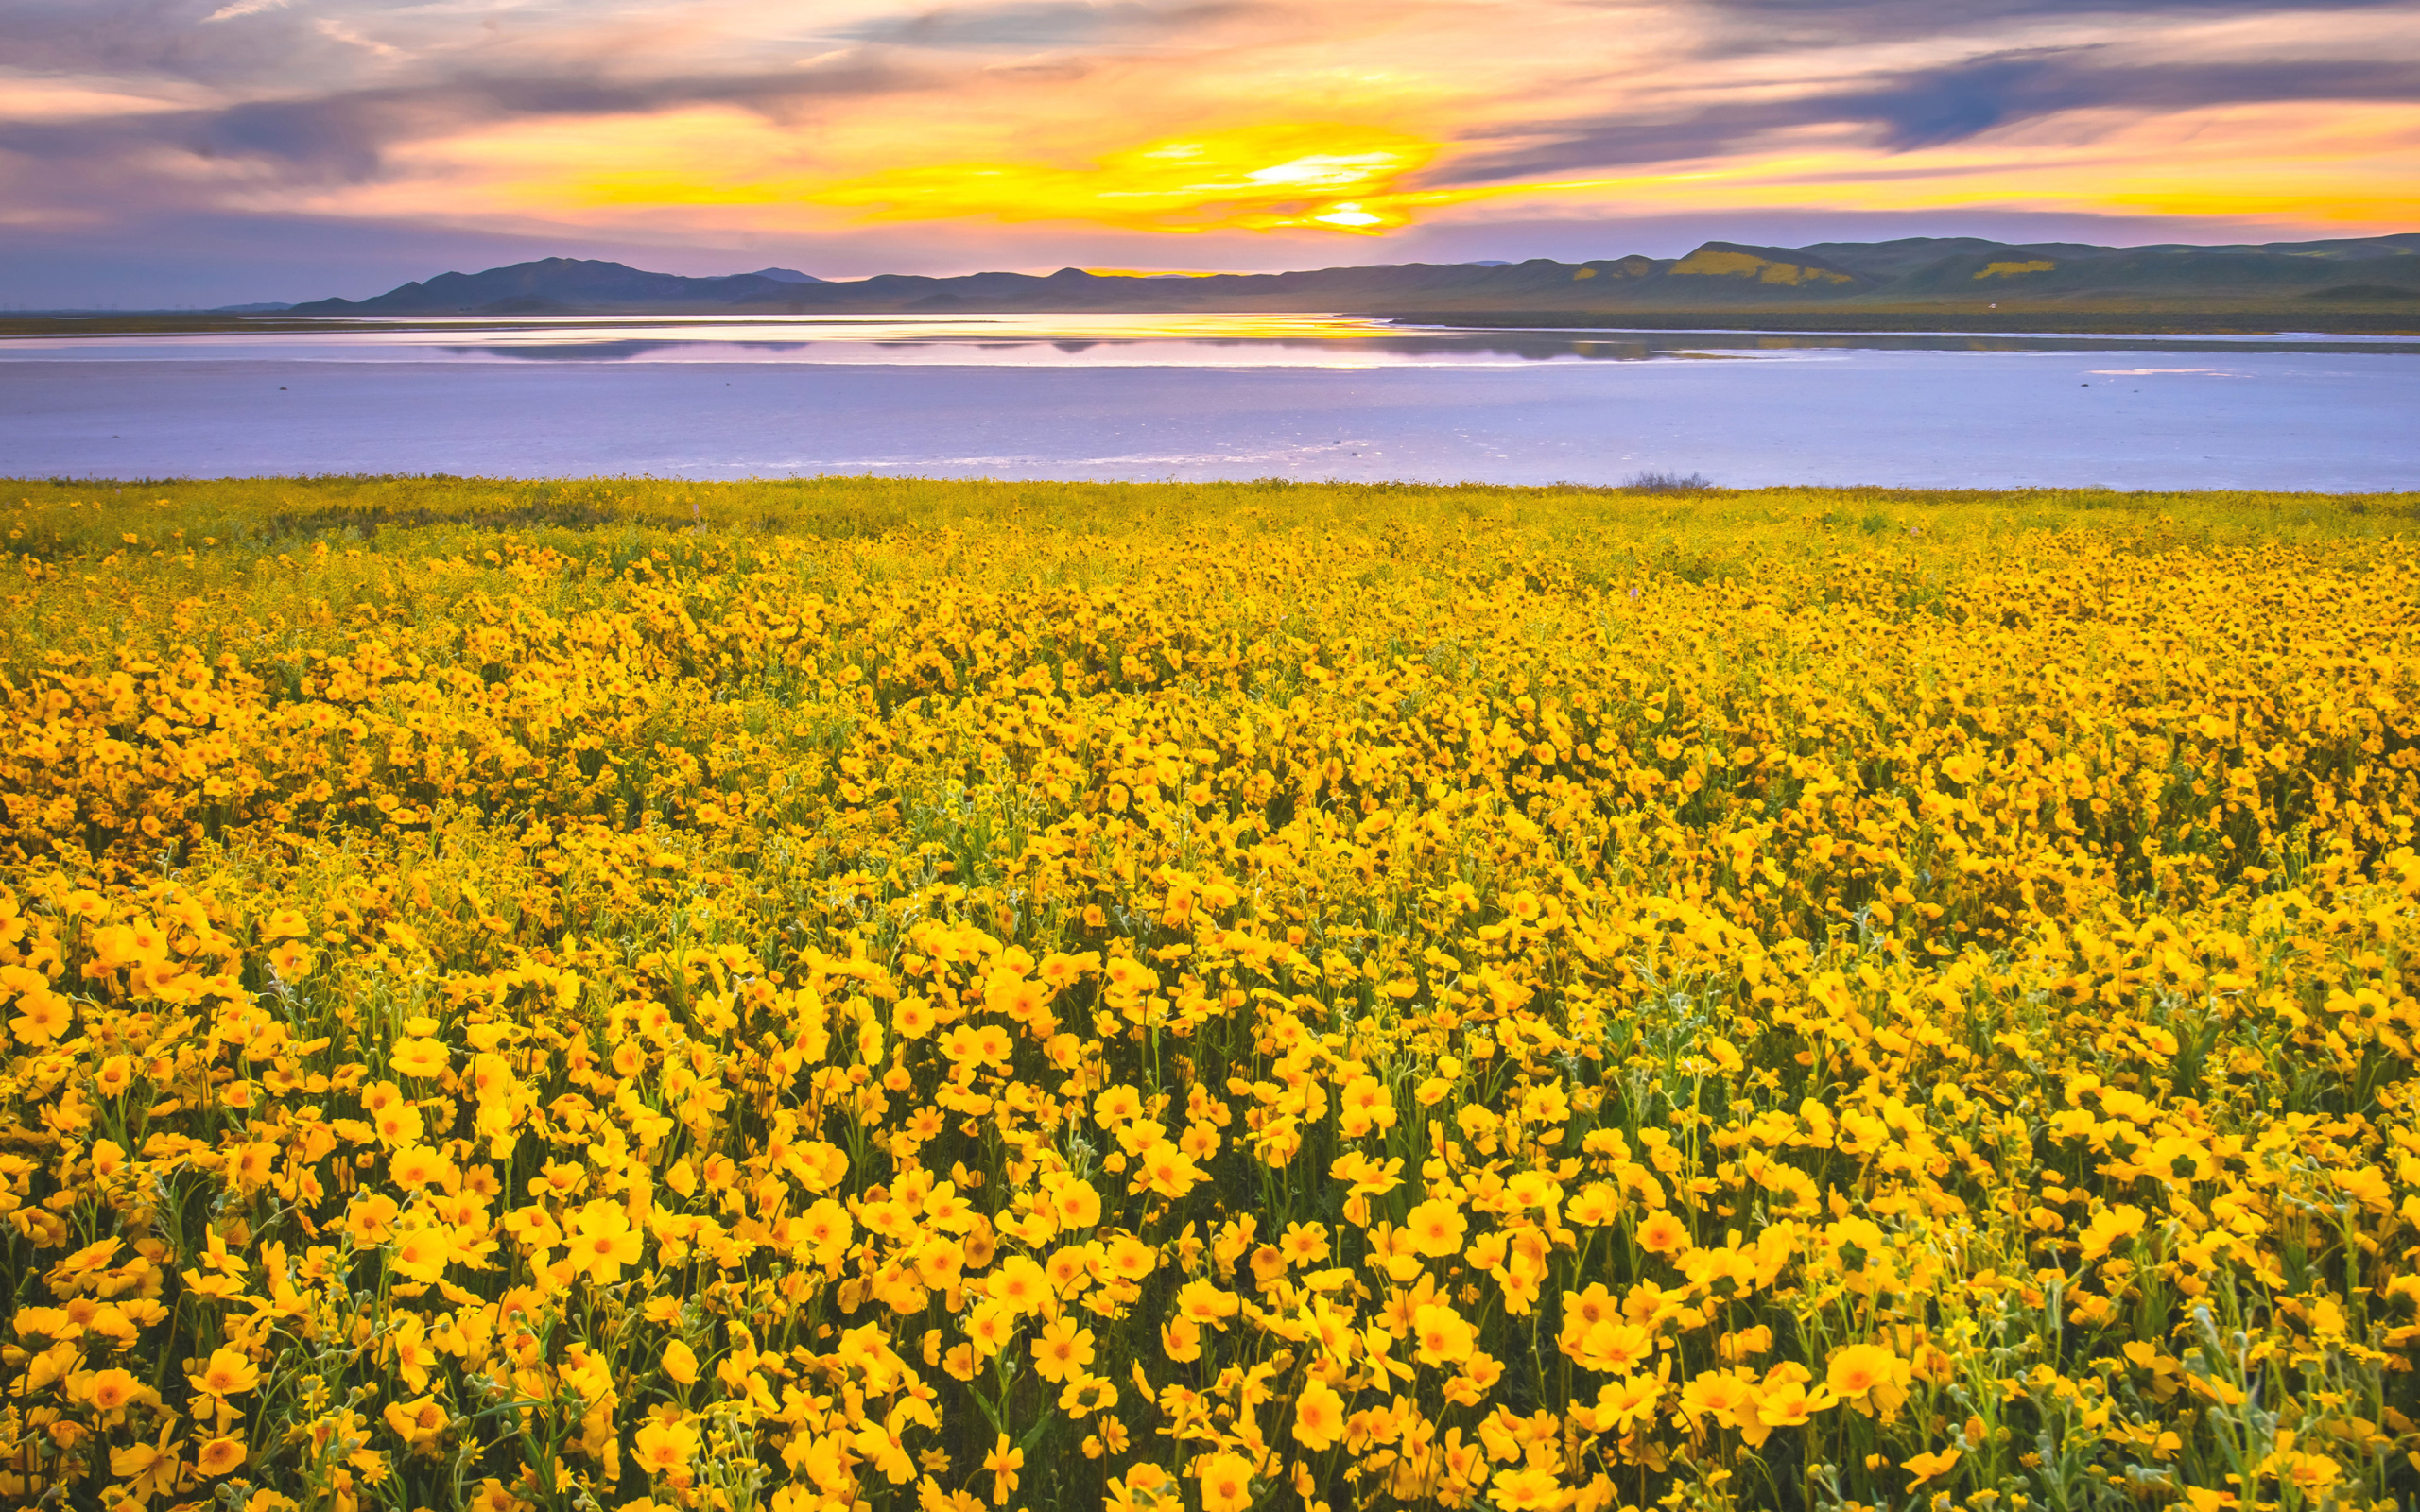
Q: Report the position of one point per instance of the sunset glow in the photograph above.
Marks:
(871, 135)
(1313, 176)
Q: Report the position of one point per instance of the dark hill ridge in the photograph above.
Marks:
(559, 284)
(1912, 272)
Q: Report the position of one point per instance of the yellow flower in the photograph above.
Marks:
(1168, 1172)
(1021, 1285)
(1442, 1335)
(1226, 1483)
(423, 1253)
(1628, 1403)
(1002, 1464)
(1727, 1400)
(1858, 1369)
(1180, 1340)
(2310, 1474)
(990, 1327)
(602, 1241)
(1528, 1490)
(1790, 1404)
(1663, 1234)
(662, 1448)
(2110, 1226)
(1079, 1204)
(1087, 1395)
(1319, 1417)
(1200, 1301)
(285, 924)
(418, 1422)
(1062, 1351)
(42, 1015)
(111, 1389)
(681, 1363)
(1436, 1227)
(1129, 1258)
(114, 1076)
(1923, 1467)
(226, 1374)
(418, 1058)
(1610, 1346)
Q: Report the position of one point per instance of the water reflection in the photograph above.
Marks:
(1374, 348)
(1224, 341)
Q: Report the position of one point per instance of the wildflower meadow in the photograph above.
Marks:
(617, 997)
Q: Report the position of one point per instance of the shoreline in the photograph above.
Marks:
(2266, 320)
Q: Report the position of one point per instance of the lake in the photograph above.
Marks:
(1190, 397)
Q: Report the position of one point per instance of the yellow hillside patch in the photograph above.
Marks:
(1744, 265)
(2013, 270)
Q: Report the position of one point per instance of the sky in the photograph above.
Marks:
(158, 153)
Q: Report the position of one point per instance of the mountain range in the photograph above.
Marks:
(1914, 273)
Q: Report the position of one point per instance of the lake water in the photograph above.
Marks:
(1308, 397)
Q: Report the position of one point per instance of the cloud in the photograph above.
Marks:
(344, 137)
(242, 8)
(267, 49)
(1935, 106)
(1951, 104)
(1759, 24)
(1027, 25)
(335, 30)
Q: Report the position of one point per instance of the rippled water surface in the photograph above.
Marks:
(1209, 396)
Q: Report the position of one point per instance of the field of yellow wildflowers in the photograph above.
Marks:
(883, 994)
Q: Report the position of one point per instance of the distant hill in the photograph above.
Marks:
(553, 285)
(1910, 274)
